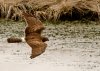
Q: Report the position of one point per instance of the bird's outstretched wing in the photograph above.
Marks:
(33, 22)
(37, 46)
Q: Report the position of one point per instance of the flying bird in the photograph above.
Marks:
(33, 34)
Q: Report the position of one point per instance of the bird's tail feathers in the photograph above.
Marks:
(15, 39)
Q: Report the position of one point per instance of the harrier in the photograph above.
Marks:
(33, 35)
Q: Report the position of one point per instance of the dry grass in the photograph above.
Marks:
(49, 9)
(70, 7)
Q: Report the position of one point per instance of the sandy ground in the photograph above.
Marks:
(72, 47)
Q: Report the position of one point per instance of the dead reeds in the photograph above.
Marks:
(51, 9)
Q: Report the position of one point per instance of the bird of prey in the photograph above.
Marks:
(33, 34)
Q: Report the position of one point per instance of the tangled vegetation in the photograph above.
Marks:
(51, 9)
